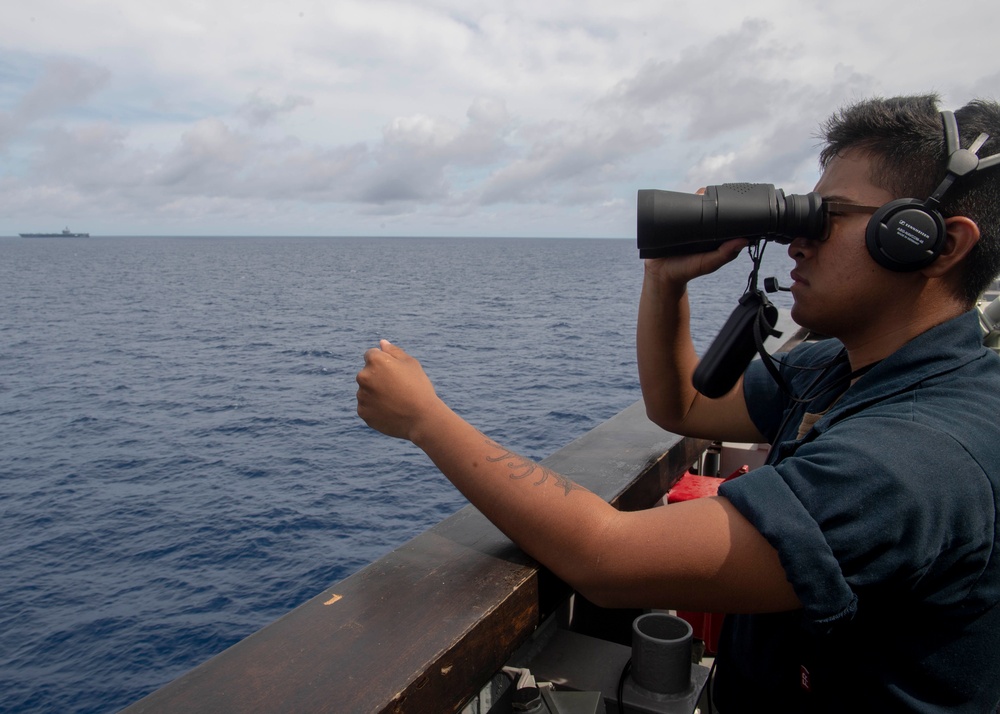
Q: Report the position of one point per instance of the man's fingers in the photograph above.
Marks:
(391, 349)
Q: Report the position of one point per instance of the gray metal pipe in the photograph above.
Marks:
(661, 653)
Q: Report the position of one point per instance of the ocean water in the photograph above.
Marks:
(180, 458)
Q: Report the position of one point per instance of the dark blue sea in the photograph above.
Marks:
(180, 458)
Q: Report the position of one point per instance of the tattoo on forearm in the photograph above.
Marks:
(521, 468)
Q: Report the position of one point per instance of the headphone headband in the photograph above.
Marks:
(961, 162)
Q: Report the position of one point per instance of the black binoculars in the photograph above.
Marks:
(672, 223)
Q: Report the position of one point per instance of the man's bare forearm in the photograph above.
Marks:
(665, 353)
(551, 517)
(667, 358)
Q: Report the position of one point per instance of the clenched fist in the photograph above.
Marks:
(395, 396)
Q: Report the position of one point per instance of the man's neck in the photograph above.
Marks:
(881, 339)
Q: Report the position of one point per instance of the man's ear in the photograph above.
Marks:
(963, 234)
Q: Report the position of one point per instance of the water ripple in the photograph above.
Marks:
(182, 463)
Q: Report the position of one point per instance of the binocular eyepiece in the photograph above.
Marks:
(672, 223)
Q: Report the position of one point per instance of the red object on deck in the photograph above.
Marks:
(706, 625)
(694, 486)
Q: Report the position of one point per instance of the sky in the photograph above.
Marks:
(440, 117)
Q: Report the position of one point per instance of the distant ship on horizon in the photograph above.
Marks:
(64, 234)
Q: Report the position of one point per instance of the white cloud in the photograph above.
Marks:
(442, 115)
(60, 86)
(261, 111)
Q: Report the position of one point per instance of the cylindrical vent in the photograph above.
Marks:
(661, 653)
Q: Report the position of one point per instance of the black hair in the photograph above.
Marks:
(904, 138)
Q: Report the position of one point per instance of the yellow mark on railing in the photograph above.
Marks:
(333, 599)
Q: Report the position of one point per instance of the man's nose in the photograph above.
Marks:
(801, 247)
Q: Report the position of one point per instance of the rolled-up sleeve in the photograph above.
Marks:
(846, 512)
(766, 500)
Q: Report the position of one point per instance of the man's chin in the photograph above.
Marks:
(801, 317)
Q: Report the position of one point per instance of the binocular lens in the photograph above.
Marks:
(673, 223)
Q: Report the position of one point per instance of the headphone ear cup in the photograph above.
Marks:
(905, 235)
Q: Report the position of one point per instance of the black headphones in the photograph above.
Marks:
(908, 234)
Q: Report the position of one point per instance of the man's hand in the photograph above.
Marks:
(678, 271)
(394, 394)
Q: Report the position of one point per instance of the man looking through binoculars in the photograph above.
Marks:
(858, 564)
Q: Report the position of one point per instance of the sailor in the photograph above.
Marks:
(860, 566)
